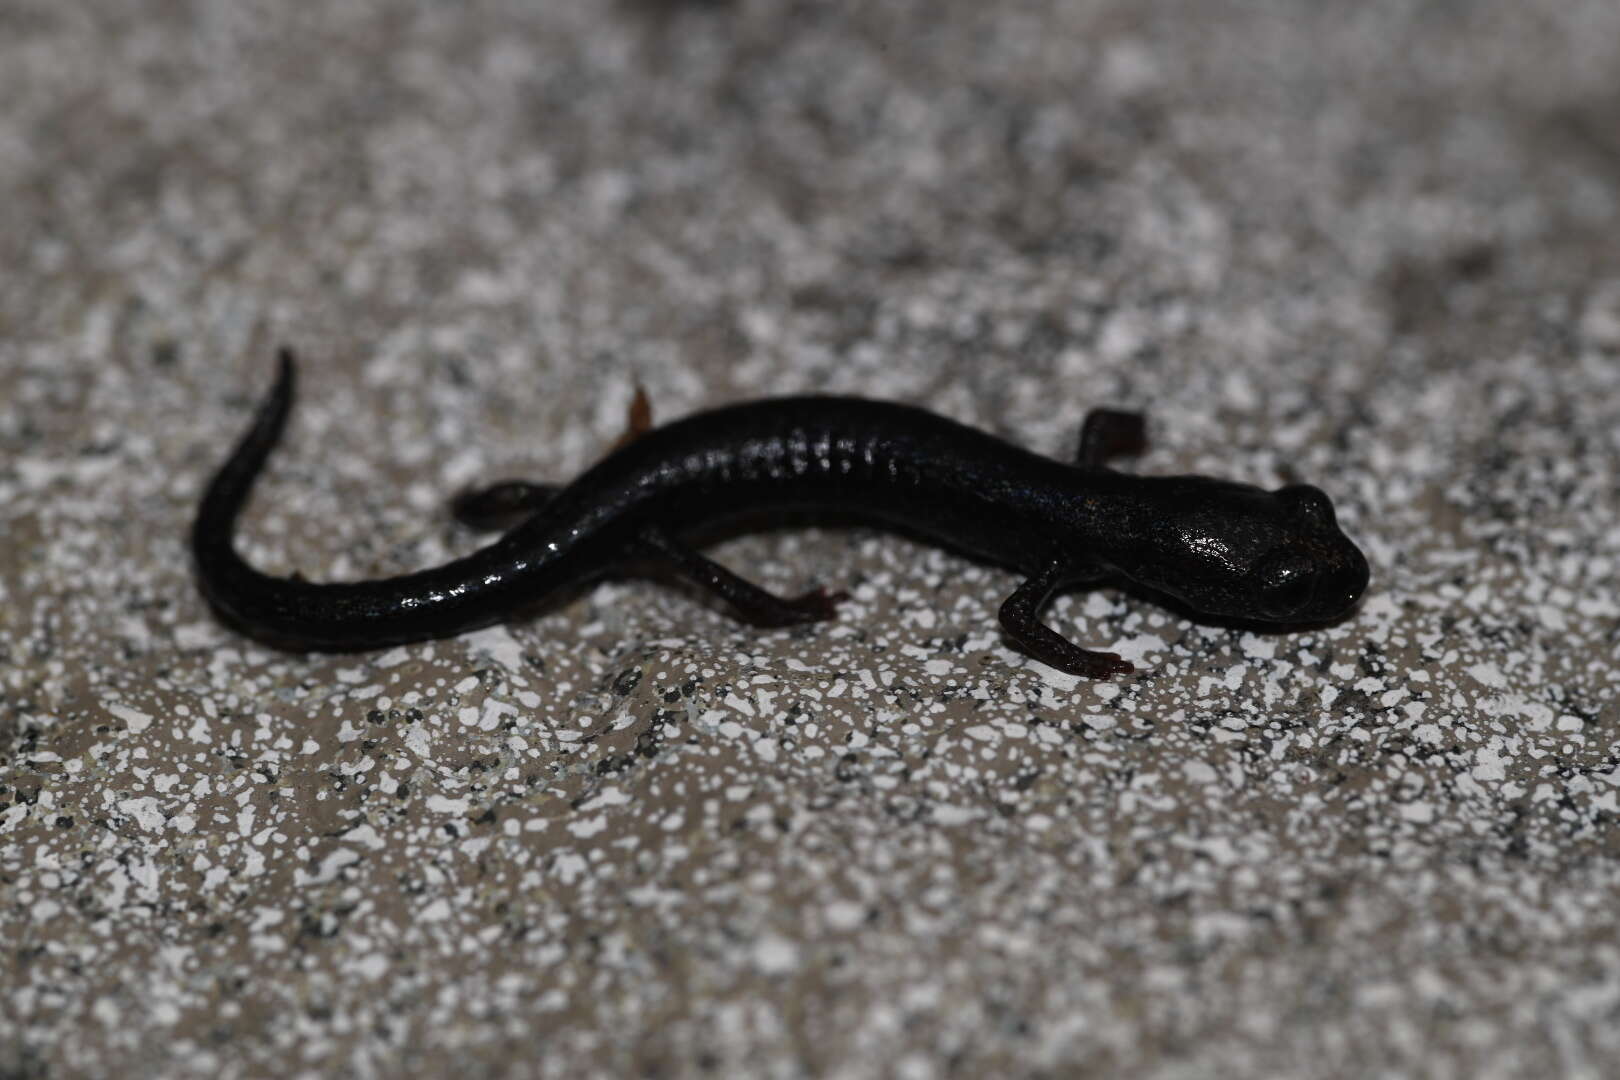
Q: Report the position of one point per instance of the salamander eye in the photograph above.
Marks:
(1287, 585)
(1308, 503)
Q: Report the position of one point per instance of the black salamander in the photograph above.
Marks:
(1220, 548)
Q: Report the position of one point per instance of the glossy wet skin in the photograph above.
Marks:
(1220, 548)
(1238, 551)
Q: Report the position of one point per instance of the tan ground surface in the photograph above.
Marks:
(1374, 244)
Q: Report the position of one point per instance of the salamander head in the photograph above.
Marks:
(1239, 551)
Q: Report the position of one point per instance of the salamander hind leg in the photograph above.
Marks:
(511, 502)
(638, 419)
(1110, 433)
(1020, 618)
(755, 605)
(501, 506)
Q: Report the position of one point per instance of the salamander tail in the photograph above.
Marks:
(212, 534)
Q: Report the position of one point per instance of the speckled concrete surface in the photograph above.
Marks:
(1374, 244)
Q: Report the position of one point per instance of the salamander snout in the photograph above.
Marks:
(1319, 574)
(1344, 583)
(1310, 584)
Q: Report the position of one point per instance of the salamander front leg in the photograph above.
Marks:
(756, 605)
(501, 506)
(1020, 618)
(1110, 433)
